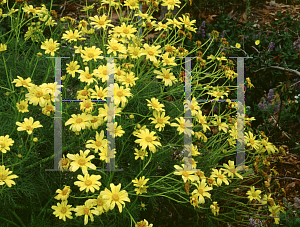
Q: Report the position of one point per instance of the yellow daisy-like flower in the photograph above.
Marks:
(214, 208)
(48, 109)
(275, 210)
(166, 76)
(231, 170)
(3, 47)
(28, 125)
(132, 4)
(64, 163)
(97, 144)
(22, 106)
(50, 46)
(87, 210)
(100, 22)
(5, 142)
(143, 224)
(115, 130)
(101, 72)
(86, 76)
(237, 45)
(140, 184)
(202, 119)
(167, 60)
(96, 122)
(72, 68)
(100, 93)
(186, 175)
(86, 106)
(103, 112)
(155, 105)
(82, 24)
(63, 210)
(21, 82)
(79, 121)
(128, 80)
(222, 126)
(84, 94)
(151, 52)
(147, 139)
(72, 36)
(182, 126)
(120, 94)
(114, 46)
(141, 153)
(160, 120)
(220, 176)
(127, 31)
(115, 196)
(5, 177)
(250, 141)
(202, 190)
(63, 194)
(186, 20)
(90, 53)
(81, 161)
(218, 93)
(134, 51)
(175, 23)
(171, 3)
(267, 146)
(200, 136)
(194, 106)
(36, 95)
(90, 183)
(101, 204)
(252, 194)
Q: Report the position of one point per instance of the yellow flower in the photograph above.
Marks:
(127, 31)
(115, 130)
(186, 20)
(103, 112)
(5, 142)
(63, 194)
(151, 52)
(5, 178)
(114, 47)
(29, 9)
(81, 161)
(257, 42)
(120, 94)
(214, 208)
(275, 210)
(97, 144)
(221, 126)
(202, 190)
(28, 125)
(140, 154)
(100, 22)
(35, 139)
(87, 210)
(50, 46)
(72, 68)
(231, 170)
(134, 51)
(82, 24)
(155, 105)
(171, 3)
(128, 80)
(71, 36)
(186, 175)
(267, 146)
(166, 76)
(143, 224)
(168, 61)
(218, 93)
(237, 45)
(3, 47)
(63, 210)
(100, 93)
(84, 94)
(48, 109)
(22, 106)
(160, 120)
(194, 106)
(182, 126)
(86, 106)
(90, 53)
(90, 183)
(36, 95)
(252, 194)
(202, 119)
(79, 121)
(175, 23)
(132, 4)
(101, 204)
(140, 184)
(220, 176)
(147, 139)
(86, 76)
(115, 196)
(250, 141)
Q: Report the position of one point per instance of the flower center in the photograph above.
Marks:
(200, 190)
(86, 210)
(100, 202)
(64, 162)
(141, 153)
(98, 143)
(90, 55)
(88, 182)
(101, 22)
(128, 80)
(115, 47)
(79, 120)
(160, 121)
(219, 93)
(81, 161)
(2, 177)
(154, 105)
(84, 93)
(115, 197)
(24, 82)
(88, 76)
(51, 48)
(39, 94)
(94, 120)
(182, 125)
(148, 139)
(184, 173)
(167, 76)
(63, 210)
(87, 105)
(126, 31)
(220, 176)
(21, 107)
(105, 72)
(28, 128)
(64, 192)
(120, 93)
(150, 52)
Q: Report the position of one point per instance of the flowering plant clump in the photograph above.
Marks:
(102, 178)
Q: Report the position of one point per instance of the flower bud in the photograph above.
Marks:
(35, 139)
(19, 156)
(131, 116)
